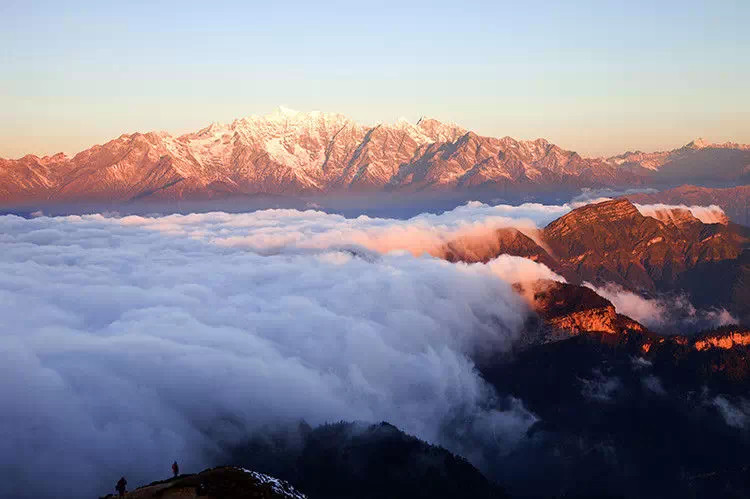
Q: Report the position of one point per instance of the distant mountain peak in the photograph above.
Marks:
(285, 111)
(699, 143)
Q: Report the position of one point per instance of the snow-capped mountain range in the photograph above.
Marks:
(289, 152)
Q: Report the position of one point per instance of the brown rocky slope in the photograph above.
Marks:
(613, 242)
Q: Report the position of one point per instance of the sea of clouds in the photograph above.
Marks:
(668, 314)
(129, 342)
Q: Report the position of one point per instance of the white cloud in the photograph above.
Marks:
(131, 342)
(711, 214)
(589, 195)
(735, 414)
(272, 231)
(673, 313)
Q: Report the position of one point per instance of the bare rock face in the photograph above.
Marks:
(483, 248)
(568, 310)
(569, 313)
(724, 338)
(613, 242)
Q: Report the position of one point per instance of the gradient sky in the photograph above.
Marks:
(598, 77)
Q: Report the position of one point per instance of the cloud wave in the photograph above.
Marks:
(667, 314)
(130, 342)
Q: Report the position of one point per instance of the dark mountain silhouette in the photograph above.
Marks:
(614, 423)
(346, 460)
(217, 483)
(623, 412)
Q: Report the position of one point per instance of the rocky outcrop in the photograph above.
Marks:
(613, 241)
(483, 248)
(565, 310)
(218, 483)
(725, 339)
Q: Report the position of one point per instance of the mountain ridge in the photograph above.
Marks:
(290, 153)
(614, 242)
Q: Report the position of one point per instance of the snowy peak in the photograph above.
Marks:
(285, 111)
(701, 143)
(292, 152)
(698, 143)
(440, 132)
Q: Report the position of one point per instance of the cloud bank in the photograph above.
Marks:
(711, 214)
(667, 314)
(273, 231)
(130, 342)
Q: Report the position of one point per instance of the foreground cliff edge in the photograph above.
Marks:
(333, 461)
(217, 483)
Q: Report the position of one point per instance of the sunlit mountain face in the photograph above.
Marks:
(289, 153)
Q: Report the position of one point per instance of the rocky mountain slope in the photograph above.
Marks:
(622, 412)
(218, 483)
(565, 311)
(288, 152)
(614, 421)
(614, 242)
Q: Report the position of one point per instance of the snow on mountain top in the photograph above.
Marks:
(280, 487)
(284, 120)
(283, 110)
(698, 143)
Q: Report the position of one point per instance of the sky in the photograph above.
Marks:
(595, 77)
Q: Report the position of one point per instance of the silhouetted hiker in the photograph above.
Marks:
(122, 486)
(175, 469)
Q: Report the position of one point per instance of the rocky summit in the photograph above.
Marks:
(217, 483)
(641, 248)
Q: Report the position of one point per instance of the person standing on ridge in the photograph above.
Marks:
(122, 486)
(175, 469)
